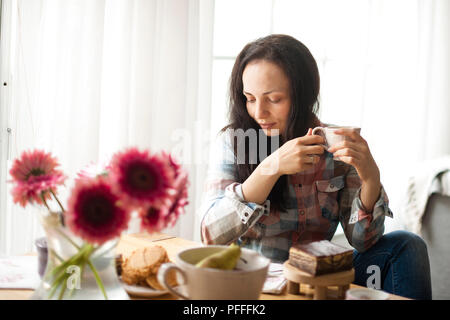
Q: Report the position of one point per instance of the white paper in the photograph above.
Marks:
(19, 272)
(275, 281)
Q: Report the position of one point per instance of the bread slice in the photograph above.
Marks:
(320, 257)
(142, 263)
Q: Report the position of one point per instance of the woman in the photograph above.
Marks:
(300, 192)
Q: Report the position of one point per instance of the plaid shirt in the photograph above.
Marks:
(318, 200)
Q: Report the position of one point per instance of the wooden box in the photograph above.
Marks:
(320, 257)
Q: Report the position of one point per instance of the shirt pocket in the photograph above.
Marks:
(327, 196)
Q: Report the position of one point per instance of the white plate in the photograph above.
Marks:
(142, 291)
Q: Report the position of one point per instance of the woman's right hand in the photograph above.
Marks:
(297, 155)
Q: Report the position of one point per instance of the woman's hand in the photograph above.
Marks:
(297, 155)
(356, 152)
(294, 156)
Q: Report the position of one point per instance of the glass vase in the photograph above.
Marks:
(75, 269)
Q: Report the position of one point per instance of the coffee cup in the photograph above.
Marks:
(329, 135)
(245, 282)
(365, 294)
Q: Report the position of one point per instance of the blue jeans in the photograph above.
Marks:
(402, 259)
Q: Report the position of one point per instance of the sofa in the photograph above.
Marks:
(436, 234)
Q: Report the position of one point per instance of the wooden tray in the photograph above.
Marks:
(320, 283)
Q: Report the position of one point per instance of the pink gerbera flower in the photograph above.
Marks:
(179, 192)
(93, 211)
(35, 176)
(140, 178)
(179, 198)
(173, 163)
(153, 218)
(156, 218)
(93, 169)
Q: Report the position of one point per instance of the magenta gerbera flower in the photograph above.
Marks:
(153, 218)
(173, 163)
(35, 175)
(93, 211)
(140, 178)
(179, 198)
(166, 214)
(179, 191)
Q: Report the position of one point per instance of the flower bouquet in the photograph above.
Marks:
(81, 237)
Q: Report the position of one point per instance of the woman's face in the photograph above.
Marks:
(267, 90)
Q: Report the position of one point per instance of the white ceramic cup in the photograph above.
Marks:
(245, 283)
(365, 294)
(330, 137)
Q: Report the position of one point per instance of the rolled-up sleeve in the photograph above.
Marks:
(362, 228)
(226, 215)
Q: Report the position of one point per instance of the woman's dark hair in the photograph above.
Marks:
(298, 64)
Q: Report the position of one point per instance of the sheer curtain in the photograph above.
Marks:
(87, 78)
(384, 66)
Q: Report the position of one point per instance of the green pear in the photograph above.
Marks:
(225, 259)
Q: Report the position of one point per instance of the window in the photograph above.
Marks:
(372, 65)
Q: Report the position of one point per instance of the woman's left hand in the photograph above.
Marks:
(355, 151)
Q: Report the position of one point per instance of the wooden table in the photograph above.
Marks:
(173, 245)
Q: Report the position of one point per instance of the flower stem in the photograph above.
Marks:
(81, 276)
(53, 290)
(56, 255)
(80, 259)
(109, 249)
(68, 239)
(56, 283)
(57, 200)
(45, 202)
(63, 289)
(57, 270)
(97, 278)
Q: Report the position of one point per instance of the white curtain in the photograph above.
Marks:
(405, 111)
(384, 66)
(88, 78)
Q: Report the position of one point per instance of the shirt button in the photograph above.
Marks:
(302, 213)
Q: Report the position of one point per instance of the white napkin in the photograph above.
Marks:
(275, 281)
(19, 272)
